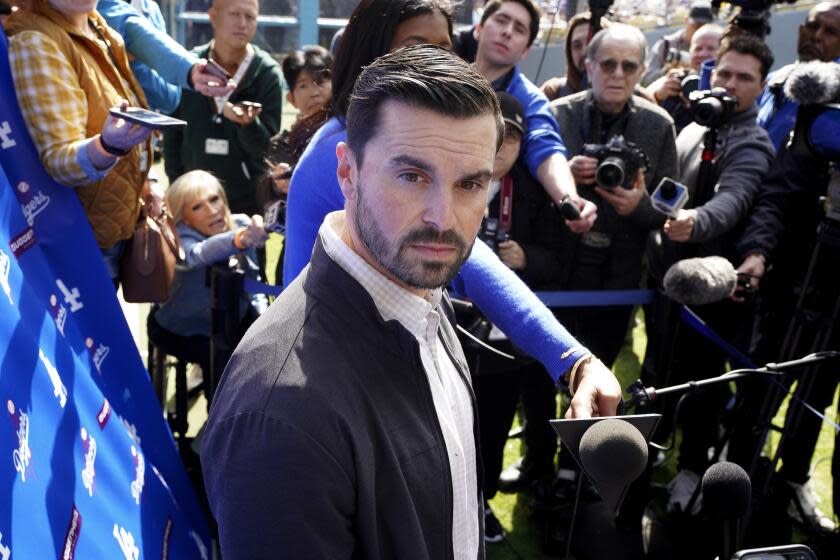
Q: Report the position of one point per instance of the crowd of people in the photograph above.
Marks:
(349, 421)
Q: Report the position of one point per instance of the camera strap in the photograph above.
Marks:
(506, 204)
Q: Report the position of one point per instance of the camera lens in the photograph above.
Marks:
(707, 111)
(689, 84)
(610, 173)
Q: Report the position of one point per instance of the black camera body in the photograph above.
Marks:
(712, 108)
(491, 233)
(618, 162)
(689, 82)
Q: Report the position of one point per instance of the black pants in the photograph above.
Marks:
(194, 349)
(496, 396)
(601, 329)
(695, 357)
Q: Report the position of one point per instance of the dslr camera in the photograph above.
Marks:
(712, 108)
(618, 162)
(689, 82)
(677, 57)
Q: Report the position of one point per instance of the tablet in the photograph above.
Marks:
(147, 118)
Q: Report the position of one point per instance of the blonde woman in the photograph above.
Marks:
(209, 234)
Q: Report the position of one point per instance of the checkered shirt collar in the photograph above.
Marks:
(392, 301)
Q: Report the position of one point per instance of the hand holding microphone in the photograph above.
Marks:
(252, 235)
(700, 281)
(681, 227)
(750, 273)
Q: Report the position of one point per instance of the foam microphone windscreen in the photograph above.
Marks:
(700, 280)
(613, 452)
(726, 491)
(814, 83)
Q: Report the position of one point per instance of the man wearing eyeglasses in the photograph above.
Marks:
(609, 257)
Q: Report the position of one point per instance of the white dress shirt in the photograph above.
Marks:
(450, 393)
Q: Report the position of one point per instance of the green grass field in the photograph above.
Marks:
(523, 539)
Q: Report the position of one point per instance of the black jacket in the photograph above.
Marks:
(323, 441)
(532, 207)
(784, 219)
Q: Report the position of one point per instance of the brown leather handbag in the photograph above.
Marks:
(147, 266)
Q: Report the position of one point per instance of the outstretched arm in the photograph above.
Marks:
(515, 309)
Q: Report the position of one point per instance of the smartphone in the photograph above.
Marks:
(788, 552)
(216, 69)
(147, 118)
(253, 104)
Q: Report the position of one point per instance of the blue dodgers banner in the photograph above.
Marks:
(88, 467)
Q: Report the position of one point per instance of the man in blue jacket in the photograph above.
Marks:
(505, 35)
(819, 39)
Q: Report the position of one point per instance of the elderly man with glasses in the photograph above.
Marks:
(609, 257)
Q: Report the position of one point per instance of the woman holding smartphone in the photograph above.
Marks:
(70, 69)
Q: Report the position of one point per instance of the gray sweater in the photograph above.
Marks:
(742, 157)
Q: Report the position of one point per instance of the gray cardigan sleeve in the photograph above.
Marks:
(743, 168)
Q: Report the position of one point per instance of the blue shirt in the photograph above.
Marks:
(501, 295)
(160, 64)
(542, 138)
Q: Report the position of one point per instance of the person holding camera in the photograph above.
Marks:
(673, 46)
(671, 91)
(742, 155)
(609, 257)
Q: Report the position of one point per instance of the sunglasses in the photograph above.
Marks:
(609, 66)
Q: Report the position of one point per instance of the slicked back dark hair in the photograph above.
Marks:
(368, 35)
(423, 76)
(533, 10)
(750, 45)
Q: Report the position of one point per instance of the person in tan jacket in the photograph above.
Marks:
(69, 70)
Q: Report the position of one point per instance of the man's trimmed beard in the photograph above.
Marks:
(394, 256)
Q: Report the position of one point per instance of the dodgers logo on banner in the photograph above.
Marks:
(75, 484)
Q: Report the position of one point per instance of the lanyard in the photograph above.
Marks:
(506, 204)
(243, 67)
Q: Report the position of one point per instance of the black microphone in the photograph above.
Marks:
(613, 454)
(700, 280)
(814, 83)
(726, 497)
